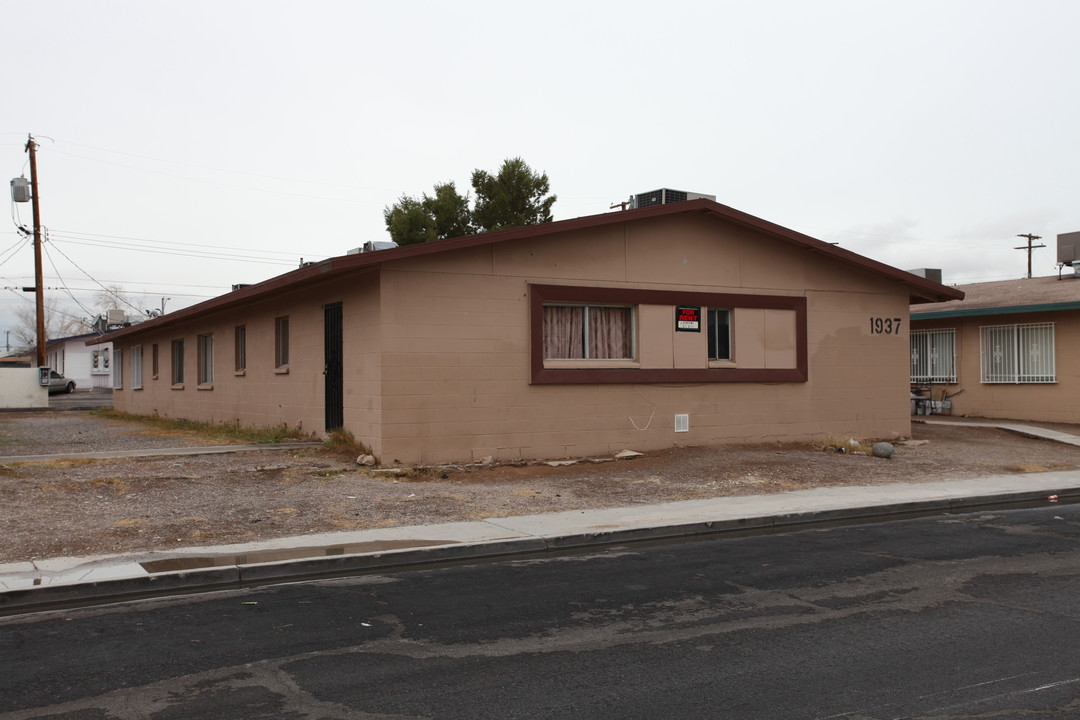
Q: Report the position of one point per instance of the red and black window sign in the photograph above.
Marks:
(687, 319)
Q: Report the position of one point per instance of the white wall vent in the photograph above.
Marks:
(682, 423)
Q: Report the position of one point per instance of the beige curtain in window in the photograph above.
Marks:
(563, 332)
(609, 333)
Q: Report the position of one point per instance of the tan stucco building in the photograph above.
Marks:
(1009, 349)
(681, 324)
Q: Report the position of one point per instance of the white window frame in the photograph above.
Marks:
(136, 367)
(1017, 353)
(933, 355)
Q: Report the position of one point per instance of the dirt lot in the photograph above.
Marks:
(94, 507)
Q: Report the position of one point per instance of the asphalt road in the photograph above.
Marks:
(956, 617)
(81, 399)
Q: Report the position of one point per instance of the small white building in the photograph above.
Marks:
(89, 365)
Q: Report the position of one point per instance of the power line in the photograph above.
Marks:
(224, 170)
(222, 288)
(219, 256)
(357, 200)
(1030, 248)
(65, 288)
(87, 235)
(107, 290)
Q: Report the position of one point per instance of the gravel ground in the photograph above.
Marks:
(93, 507)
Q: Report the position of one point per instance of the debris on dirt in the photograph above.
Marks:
(135, 504)
(627, 454)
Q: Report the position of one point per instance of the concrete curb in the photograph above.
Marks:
(59, 596)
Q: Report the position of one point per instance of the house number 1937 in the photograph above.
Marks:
(885, 326)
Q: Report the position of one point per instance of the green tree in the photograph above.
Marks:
(513, 197)
(408, 222)
(450, 211)
(433, 217)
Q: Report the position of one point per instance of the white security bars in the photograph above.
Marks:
(1022, 353)
(933, 356)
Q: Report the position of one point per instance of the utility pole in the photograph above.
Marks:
(39, 289)
(1030, 248)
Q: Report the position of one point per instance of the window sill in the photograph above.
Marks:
(597, 364)
(154, 376)
(140, 387)
(283, 370)
(240, 373)
(205, 386)
(177, 386)
(722, 364)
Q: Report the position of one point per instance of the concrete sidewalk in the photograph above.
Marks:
(59, 582)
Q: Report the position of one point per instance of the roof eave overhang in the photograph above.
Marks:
(1005, 310)
(920, 289)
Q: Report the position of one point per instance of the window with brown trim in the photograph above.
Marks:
(719, 322)
(542, 297)
(177, 362)
(588, 332)
(281, 341)
(240, 347)
(206, 358)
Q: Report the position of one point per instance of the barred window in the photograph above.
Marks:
(1022, 353)
(933, 356)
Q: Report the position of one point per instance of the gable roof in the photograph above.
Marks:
(920, 289)
(1007, 297)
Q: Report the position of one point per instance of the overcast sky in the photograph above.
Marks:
(187, 146)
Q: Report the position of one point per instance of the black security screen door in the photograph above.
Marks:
(332, 357)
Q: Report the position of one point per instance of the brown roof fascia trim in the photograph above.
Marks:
(539, 294)
(921, 290)
(280, 283)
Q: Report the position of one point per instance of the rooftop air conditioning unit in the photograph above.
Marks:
(928, 273)
(1068, 247)
(663, 196)
(371, 246)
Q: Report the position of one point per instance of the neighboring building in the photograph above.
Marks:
(1009, 349)
(679, 324)
(82, 358)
